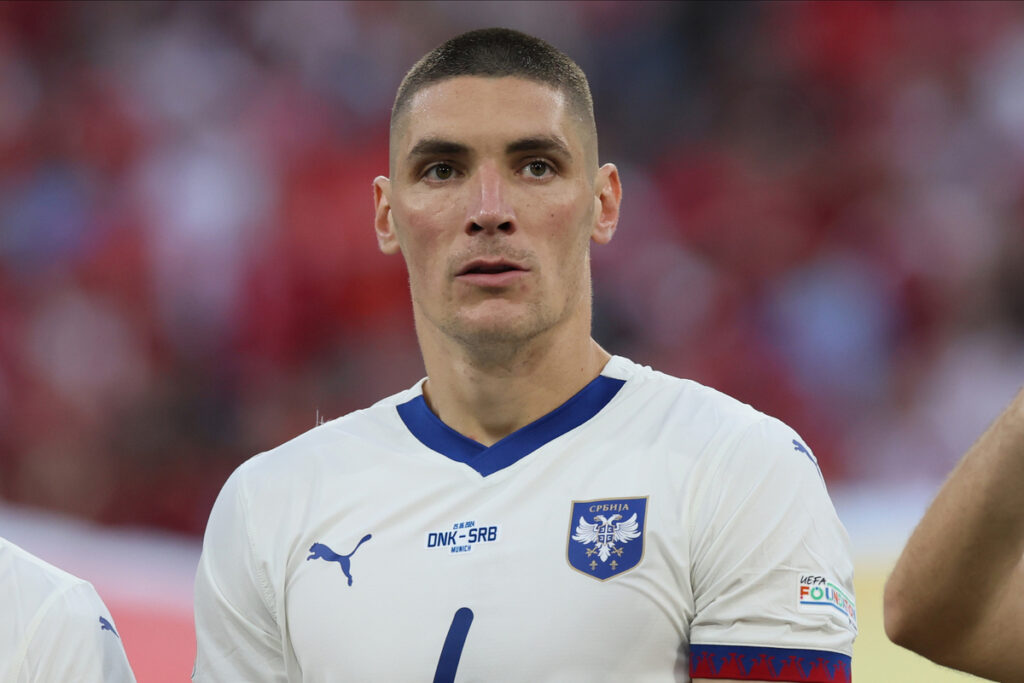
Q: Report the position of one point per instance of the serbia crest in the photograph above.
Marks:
(606, 537)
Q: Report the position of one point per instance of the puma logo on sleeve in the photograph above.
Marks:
(320, 551)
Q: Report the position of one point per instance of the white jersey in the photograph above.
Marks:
(53, 626)
(649, 529)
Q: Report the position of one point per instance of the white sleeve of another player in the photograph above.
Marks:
(772, 567)
(237, 633)
(75, 639)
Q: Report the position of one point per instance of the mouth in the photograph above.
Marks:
(489, 267)
(491, 272)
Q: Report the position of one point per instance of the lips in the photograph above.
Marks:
(495, 272)
(489, 267)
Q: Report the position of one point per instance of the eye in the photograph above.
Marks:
(539, 169)
(440, 171)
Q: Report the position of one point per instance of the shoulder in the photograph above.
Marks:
(681, 404)
(38, 582)
(718, 434)
(42, 600)
(342, 444)
(274, 490)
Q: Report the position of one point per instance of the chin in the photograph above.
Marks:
(498, 327)
(495, 332)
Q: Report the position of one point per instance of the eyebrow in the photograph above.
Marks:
(437, 147)
(429, 147)
(540, 143)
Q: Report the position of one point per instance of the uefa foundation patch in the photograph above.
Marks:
(818, 593)
(606, 537)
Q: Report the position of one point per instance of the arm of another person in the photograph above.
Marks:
(956, 595)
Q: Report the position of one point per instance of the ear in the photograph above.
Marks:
(383, 222)
(607, 198)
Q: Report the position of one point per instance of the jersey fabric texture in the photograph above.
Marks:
(53, 626)
(649, 529)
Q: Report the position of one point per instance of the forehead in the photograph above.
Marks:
(478, 111)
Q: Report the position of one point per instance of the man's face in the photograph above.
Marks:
(493, 200)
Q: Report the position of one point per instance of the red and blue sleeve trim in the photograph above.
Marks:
(768, 664)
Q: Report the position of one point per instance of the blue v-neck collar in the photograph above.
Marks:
(438, 436)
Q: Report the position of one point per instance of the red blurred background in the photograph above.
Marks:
(823, 217)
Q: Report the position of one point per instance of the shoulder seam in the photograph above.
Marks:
(266, 591)
(718, 463)
(739, 437)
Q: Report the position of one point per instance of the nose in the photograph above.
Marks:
(489, 211)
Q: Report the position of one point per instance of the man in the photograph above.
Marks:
(535, 509)
(53, 626)
(956, 595)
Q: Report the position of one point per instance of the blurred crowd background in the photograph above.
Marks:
(823, 217)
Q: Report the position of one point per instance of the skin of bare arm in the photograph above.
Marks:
(956, 595)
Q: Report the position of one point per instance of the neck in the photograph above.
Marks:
(486, 394)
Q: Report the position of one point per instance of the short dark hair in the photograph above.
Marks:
(496, 52)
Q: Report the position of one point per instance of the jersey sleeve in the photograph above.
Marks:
(75, 639)
(237, 632)
(772, 570)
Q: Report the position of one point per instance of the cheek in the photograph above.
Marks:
(568, 227)
(421, 233)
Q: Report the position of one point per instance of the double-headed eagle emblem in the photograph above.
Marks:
(605, 533)
(605, 545)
